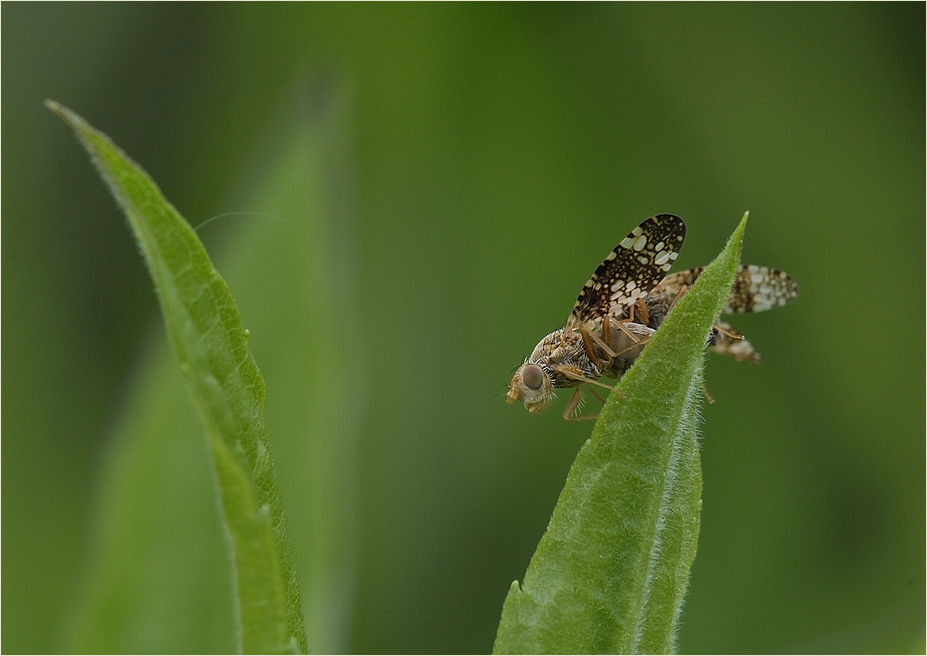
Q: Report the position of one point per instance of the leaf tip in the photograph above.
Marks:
(80, 127)
(66, 114)
(737, 237)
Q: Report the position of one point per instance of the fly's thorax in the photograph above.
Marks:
(564, 355)
(550, 346)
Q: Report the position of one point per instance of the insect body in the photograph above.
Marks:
(621, 306)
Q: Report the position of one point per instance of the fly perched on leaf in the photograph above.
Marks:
(621, 306)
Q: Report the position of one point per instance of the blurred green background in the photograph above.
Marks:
(449, 176)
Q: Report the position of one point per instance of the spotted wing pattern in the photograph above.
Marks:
(631, 270)
(755, 289)
(726, 340)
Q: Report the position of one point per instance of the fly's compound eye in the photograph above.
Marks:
(533, 377)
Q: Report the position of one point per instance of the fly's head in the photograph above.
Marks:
(531, 384)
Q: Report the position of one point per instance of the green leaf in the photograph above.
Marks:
(206, 333)
(610, 573)
(157, 581)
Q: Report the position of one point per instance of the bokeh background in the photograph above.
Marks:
(426, 189)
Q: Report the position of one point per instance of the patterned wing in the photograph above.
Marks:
(756, 288)
(636, 266)
(726, 340)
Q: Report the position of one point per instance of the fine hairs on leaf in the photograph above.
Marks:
(207, 336)
(611, 571)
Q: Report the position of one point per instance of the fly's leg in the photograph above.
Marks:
(575, 373)
(641, 308)
(682, 292)
(591, 340)
(599, 398)
(575, 400)
(574, 404)
(634, 338)
(728, 333)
